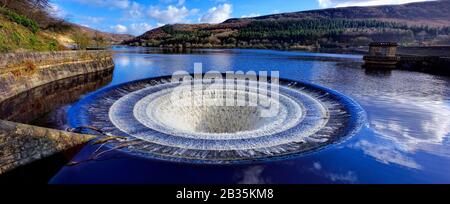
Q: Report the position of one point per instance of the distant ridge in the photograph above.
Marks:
(421, 23)
(112, 38)
(433, 12)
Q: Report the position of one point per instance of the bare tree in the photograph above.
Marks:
(81, 40)
(38, 10)
(25, 4)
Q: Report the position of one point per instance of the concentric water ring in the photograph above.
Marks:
(309, 117)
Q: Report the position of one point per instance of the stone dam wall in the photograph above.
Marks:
(21, 144)
(429, 64)
(24, 71)
(433, 60)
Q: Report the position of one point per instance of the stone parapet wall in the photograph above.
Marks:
(440, 51)
(31, 106)
(22, 144)
(12, 61)
(428, 64)
(30, 70)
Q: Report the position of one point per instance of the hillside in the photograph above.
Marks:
(111, 38)
(15, 36)
(423, 23)
(22, 33)
(434, 13)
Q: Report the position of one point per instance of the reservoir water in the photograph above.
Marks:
(405, 138)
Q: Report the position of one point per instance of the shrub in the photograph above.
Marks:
(22, 20)
(3, 48)
(16, 38)
(53, 45)
(33, 40)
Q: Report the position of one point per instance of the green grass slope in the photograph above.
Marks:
(18, 33)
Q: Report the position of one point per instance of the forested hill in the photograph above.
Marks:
(435, 13)
(423, 23)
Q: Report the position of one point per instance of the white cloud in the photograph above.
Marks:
(93, 20)
(178, 2)
(139, 28)
(120, 29)
(251, 15)
(345, 3)
(170, 15)
(57, 11)
(136, 10)
(218, 14)
(121, 4)
(324, 3)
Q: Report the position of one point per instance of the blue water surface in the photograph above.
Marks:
(406, 139)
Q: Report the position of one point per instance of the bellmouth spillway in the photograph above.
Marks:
(309, 117)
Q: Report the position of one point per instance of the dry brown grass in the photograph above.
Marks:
(28, 68)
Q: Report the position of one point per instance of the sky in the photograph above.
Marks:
(138, 16)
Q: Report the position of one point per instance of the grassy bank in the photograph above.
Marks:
(18, 33)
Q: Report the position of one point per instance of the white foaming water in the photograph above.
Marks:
(180, 129)
(212, 119)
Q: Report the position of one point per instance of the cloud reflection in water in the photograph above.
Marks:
(346, 177)
(414, 124)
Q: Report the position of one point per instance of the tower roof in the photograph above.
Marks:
(383, 44)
